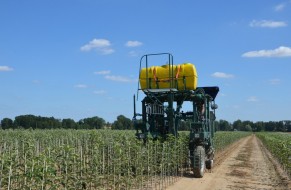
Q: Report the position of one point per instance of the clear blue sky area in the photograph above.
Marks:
(80, 58)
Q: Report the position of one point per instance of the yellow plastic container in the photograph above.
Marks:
(159, 77)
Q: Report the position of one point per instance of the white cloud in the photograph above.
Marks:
(281, 51)
(222, 75)
(101, 45)
(119, 78)
(81, 86)
(252, 99)
(280, 7)
(5, 68)
(107, 51)
(274, 81)
(268, 24)
(99, 92)
(133, 43)
(106, 72)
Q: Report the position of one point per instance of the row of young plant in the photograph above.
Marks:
(93, 159)
(70, 159)
(279, 144)
(223, 138)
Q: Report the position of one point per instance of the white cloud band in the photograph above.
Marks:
(222, 75)
(101, 45)
(102, 72)
(119, 78)
(267, 24)
(281, 51)
(5, 68)
(133, 43)
(279, 7)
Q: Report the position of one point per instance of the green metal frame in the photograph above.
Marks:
(159, 117)
(169, 117)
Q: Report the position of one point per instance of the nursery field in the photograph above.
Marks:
(279, 144)
(94, 159)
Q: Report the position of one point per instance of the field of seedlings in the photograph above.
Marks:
(93, 159)
(279, 144)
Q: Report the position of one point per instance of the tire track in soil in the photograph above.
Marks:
(245, 166)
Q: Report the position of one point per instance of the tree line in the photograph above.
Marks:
(122, 123)
(239, 125)
(283, 126)
(39, 122)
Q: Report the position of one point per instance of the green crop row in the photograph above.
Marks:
(93, 159)
(223, 139)
(71, 159)
(279, 144)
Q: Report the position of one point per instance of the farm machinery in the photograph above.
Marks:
(166, 89)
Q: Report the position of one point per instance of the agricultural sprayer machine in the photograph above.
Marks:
(166, 88)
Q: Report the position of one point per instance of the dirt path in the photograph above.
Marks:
(245, 166)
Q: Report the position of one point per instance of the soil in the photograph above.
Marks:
(245, 165)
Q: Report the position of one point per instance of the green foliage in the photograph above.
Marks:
(92, 123)
(38, 122)
(223, 139)
(122, 123)
(6, 123)
(243, 125)
(69, 124)
(279, 144)
(91, 159)
(262, 126)
(224, 125)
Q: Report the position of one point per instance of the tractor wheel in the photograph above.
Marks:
(199, 162)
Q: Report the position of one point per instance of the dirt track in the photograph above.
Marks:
(245, 165)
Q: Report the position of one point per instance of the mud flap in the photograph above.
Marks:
(209, 164)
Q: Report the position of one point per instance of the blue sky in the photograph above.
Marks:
(80, 58)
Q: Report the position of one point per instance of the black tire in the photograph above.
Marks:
(198, 162)
(209, 164)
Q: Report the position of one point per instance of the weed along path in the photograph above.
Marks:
(245, 165)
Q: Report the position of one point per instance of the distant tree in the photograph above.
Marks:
(224, 125)
(122, 123)
(108, 125)
(69, 124)
(36, 122)
(237, 125)
(281, 127)
(270, 126)
(92, 123)
(25, 121)
(6, 123)
(259, 126)
(287, 124)
(247, 128)
(83, 125)
(51, 122)
(247, 125)
(216, 125)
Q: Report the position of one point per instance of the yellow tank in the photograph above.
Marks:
(184, 77)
